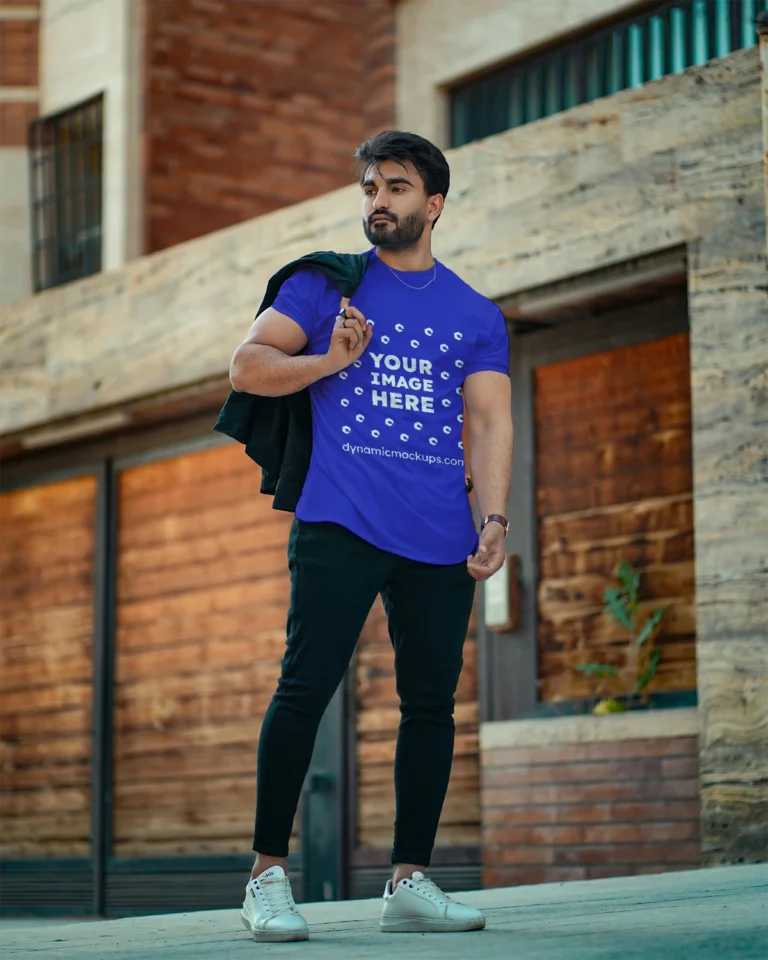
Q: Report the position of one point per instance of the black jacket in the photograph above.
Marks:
(277, 431)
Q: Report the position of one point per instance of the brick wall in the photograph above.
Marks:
(19, 31)
(581, 810)
(255, 104)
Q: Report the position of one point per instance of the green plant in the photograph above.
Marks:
(622, 603)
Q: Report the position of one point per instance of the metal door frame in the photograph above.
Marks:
(510, 660)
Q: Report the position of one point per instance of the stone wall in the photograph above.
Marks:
(674, 163)
(574, 798)
(254, 106)
(19, 94)
(445, 41)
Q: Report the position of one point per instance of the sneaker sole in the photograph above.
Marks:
(274, 936)
(424, 925)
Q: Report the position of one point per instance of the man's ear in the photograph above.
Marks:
(435, 206)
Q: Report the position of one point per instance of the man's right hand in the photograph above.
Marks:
(349, 339)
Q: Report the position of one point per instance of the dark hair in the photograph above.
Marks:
(399, 146)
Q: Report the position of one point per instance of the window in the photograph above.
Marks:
(65, 153)
(666, 39)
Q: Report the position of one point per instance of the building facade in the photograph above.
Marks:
(615, 209)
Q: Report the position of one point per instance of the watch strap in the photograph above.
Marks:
(498, 518)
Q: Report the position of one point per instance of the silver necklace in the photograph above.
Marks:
(410, 287)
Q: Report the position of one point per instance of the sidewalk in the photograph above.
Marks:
(719, 914)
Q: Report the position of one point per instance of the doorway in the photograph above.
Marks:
(602, 474)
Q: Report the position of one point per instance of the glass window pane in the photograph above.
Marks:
(617, 62)
(571, 80)
(677, 40)
(66, 183)
(516, 112)
(551, 81)
(749, 11)
(655, 48)
(459, 118)
(595, 88)
(534, 101)
(700, 51)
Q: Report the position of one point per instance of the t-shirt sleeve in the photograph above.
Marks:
(492, 345)
(300, 297)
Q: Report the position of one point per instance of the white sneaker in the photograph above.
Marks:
(269, 911)
(417, 905)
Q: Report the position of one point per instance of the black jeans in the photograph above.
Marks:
(335, 578)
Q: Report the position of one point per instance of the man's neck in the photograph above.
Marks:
(409, 261)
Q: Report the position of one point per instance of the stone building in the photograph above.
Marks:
(159, 161)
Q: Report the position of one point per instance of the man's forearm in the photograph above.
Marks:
(268, 372)
(491, 466)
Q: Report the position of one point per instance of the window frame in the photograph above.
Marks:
(66, 164)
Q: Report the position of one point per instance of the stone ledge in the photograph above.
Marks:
(633, 725)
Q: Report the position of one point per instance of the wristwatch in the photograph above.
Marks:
(498, 518)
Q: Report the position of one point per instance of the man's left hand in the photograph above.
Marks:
(490, 553)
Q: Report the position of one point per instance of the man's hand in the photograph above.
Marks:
(490, 554)
(349, 339)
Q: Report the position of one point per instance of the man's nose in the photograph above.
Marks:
(380, 201)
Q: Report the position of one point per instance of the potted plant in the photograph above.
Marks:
(642, 656)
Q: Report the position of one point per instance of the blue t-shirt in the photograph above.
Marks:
(387, 457)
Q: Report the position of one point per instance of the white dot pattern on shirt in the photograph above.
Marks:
(445, 375)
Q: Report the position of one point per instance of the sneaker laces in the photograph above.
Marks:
(277, 893)
(427, 886)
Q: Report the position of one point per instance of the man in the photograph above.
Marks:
(384, 509)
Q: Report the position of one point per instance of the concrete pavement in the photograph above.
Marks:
(718, 914)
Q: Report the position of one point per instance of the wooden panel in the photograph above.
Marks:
(613, 474)
(378, 717)
(202, 594)
(46, 625)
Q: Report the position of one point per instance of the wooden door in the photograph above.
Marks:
(202, 596)
(613, 481)
(46, 626)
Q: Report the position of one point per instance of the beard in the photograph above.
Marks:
(405, 233)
